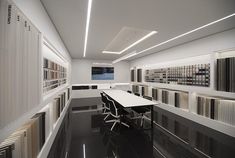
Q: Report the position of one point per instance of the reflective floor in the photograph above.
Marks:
(174, 137)
(100, 142)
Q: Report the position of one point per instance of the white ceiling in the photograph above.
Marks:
(169, 17)
(126, 37)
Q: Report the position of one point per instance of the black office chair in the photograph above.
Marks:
(103, 100)
(129, 91)
(105, 104)
(116, 114)
(142, 110)
(137, 94)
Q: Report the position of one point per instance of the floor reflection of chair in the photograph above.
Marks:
(110, 143)
(116, 114)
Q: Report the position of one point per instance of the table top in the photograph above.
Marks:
(127, 99)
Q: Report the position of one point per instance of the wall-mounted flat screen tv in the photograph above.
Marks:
(102, 73)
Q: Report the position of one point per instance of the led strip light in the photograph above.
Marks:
(87, 26)
(179, 36)
(133, 44)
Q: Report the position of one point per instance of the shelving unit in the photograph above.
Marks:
(49, 141)
(51, 127)
(54, 75)
(193, 75)
(22, 81)
(225, 71)
(193, 91)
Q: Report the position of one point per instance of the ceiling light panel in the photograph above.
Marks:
(127, 38)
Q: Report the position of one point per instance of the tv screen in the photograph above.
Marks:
(102, 73)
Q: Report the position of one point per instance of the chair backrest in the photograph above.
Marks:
(148, 97)
(104, 99)
(113, 108)
(129, 91)
(137, 94)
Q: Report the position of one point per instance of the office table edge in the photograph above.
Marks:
(148, 102)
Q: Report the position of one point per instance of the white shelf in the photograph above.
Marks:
(54, 80)
(213, 124)
(10, 128)
(193, 92)
(50, 139)
(191, 89)
(51, 94)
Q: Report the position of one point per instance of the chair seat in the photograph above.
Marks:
(141, 110)
(123, 112)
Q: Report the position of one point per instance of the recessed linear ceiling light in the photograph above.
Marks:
(125, 57)
(109, 52)
(132, 45)
(102, 63)
(184, 34)
(87, 26)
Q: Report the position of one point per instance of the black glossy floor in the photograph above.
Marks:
(174, 137)
(99, 141)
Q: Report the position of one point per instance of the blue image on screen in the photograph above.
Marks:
(102, 73)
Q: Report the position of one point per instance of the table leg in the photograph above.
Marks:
(152, 127)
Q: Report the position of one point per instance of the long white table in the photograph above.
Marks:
(128, 100)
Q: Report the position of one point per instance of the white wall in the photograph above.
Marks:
(207, 45)
(81, 72)
(187, 54)
(35, 11)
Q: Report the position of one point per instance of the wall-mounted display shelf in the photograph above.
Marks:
(29, 140)
(189, 89)
(25, 125)
(54, 75)
(206, 84)
(226, 74)
(214, 112)
(139, 75)
(135, 88)
(58, 113)
(177, 99)
(193, 75)
(132, 75)
(220, 109)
